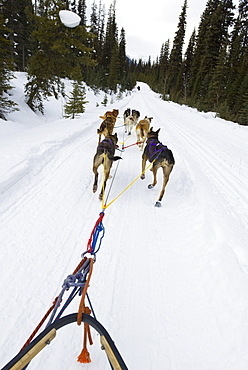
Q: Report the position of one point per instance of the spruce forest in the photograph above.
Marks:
(211, 75)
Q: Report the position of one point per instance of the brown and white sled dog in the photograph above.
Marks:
(129, 123)
(107, 126)
(142, 128)
(113, 114)
(104, 155)
(162, 157)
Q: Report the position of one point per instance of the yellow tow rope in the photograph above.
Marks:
(104, 206)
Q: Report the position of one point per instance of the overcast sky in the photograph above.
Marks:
(149, 24)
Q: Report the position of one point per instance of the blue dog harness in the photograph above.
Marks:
(107, 145)
(154, 149)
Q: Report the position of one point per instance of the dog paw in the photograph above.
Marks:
(158, 204)
(142, 177)
(150, 186)
(94, 188)
(100, 196)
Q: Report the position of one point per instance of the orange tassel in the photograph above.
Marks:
(84, 357)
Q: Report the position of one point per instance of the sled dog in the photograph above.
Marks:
(129, 123)
(142, 129)
(104, 155)
(161, 156)
(113, 114)
(136, 115)
(107, 126)
(126, 114)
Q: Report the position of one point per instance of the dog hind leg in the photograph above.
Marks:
(154, 171)
(166, 175)
(144, 159)
(95, 180)
(97, 161)
(106, 173)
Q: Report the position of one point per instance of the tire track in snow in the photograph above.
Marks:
(222, 184)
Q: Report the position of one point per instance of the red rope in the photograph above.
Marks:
(40, 324)
(89, 248)
(49, 310)
(138, 142)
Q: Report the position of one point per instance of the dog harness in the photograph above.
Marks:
(107, 145)
(154, 149)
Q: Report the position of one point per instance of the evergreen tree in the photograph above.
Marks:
(93, 28)
(74, 7)
(216, 94)
(238, 60)
(212, 35)
(82, 11)
(174, 84)
(114, 70)
(76, 103)
(6, 66)
(20, 28)
(162, 74)
(111, 38)
(123, 61)
(101, 31)
(242, 115)
(59, 52)
(187, 64)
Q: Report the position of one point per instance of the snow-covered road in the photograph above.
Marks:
(170, 284)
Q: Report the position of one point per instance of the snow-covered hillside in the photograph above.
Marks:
(170, 284)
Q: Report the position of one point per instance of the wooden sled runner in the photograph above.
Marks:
(45, 338)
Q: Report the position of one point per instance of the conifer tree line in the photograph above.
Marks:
(34, 40)
(211, 74)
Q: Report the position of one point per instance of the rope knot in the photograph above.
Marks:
(84, 356)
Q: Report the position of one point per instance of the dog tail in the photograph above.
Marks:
(113, 158)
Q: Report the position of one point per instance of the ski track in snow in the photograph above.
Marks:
(169, 283)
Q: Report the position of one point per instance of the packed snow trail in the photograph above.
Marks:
(169, 284)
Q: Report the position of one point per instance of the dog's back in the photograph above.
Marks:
(106, 127)
(129, 123)
(126, 114)
(136, 115)
(160, 156)
(155, 150)
(113, 114)
(142, 129)
(105, 147)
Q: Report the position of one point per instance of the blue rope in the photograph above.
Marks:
(68, 301)
(91, 307)
(99, 228)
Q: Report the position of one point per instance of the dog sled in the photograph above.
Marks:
(23, 358)
(78, 282)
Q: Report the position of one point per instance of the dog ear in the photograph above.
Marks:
(151, 129)
(158, 131)
(150, 118)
